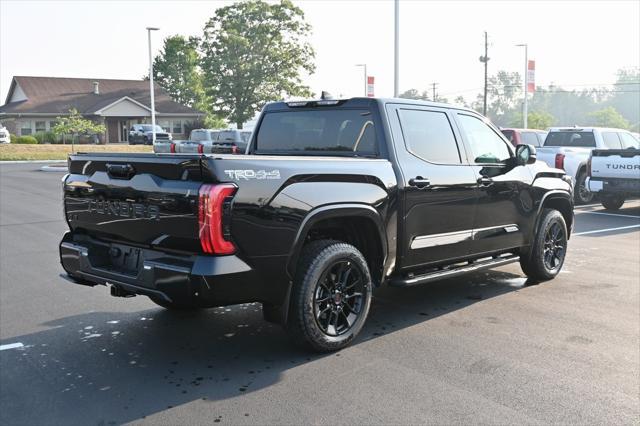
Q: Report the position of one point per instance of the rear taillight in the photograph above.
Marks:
(560, 161)
(234, 149)
(214, 210)
(200, 149)
(172, 148)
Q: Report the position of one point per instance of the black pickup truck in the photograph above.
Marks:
(333, 199)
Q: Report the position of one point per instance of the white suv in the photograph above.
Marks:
(4, 135)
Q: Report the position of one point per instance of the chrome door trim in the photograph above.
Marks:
(434, 240)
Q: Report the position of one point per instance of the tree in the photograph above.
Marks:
(539, 120)
(414, 94)
(176, 70)
(505, 89)
(75, 125)
(609, 117)
(626, 95)
(535, 120)
(254, 52)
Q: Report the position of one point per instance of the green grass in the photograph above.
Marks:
(11, 152)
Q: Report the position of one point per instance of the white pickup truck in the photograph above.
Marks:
(569, 149)
(614, 174)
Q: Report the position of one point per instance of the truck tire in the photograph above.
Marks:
(582, 194)
(612, 202)
(330, 297)
(548, 249)
(172, 306)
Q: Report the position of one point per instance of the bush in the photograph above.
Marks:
(13, 138)
(25, 140)
(46, 137)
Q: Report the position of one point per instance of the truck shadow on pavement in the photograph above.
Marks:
(115, 367)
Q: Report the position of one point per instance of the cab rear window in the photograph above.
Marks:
(570, 138)
(323, 131)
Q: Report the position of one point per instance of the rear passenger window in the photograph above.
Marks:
(611, 140)
(629, 141)
(428, 135)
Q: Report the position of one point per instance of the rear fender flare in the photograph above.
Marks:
(333, 211)
(551, 195)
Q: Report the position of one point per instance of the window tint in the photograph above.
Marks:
(486, 146)
(628, 141)
(321, 130)
(570, 138)
(529, 138)
(199, 135)
(428, 135)
(510, 134)
(228, 136)
(611, 140)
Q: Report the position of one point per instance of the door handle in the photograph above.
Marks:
(485, 181)
(420, 182)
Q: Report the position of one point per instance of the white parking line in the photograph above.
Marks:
(607, 230)
(11, 346)
(613, 214)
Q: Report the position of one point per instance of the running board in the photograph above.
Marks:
(452, 271)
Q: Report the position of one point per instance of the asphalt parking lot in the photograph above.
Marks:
(485, 348)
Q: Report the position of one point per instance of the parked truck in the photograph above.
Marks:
(333, 199)
(568, 148)
(614, 174)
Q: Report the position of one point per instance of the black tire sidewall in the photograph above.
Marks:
(612, 202)
(322, 257)
(535, 267)
(581, 180)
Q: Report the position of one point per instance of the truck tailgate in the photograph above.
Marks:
(615, 164)
(140, 199)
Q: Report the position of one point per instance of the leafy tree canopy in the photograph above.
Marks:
(176, 70)
(609, 117)
(253, 53)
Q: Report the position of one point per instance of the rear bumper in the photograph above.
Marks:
(204, 281)
(629, 187)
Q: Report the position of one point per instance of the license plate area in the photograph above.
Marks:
(125, 259)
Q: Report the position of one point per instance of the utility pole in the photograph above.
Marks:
(485, 60)
(526, 83)
(396, 47)
(153, 104)
(433, 85)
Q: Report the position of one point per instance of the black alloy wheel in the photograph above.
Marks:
(555, 245)
(330, 296)
(582, 193)
(543, 260)
(338, 298)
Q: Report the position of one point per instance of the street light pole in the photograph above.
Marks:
(365, 78)
(396, 47)
(153, 103)
(526, 83)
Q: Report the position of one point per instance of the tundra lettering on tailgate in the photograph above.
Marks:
(124, 209)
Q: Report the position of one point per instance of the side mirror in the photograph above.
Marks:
(525, 154)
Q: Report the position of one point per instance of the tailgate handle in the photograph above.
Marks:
(120, 171)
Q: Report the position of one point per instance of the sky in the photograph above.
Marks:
(575, 44)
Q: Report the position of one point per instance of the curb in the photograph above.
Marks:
(31, 161)
(58, 169)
